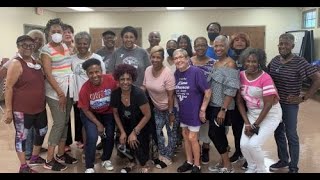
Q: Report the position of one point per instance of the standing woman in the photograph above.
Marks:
(82, 43)
(191, 89)
(96, 113)
(264, 111)
(130, 53)
(56, 61)
(205, 63)
(25, 82)
(160, 83)
(224, 85)
(131, 112)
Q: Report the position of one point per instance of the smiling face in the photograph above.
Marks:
(180, 60)
(239, 43)
(25, 48)
(183, 43)
(125, 82)
(156, 59)
(94, 73)
(109, 40)
(200, 47)
(82, 46)
(285, 46)
(251, 64)
(67, 36)
(128, 40)
(220, 48)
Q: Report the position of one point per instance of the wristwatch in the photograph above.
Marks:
(223, 109)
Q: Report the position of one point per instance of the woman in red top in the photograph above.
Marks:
(96, 114)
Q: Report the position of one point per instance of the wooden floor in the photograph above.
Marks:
(308, 129)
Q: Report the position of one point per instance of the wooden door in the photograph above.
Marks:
(96, 35)
(256, 34)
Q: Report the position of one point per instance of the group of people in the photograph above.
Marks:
(136, 93)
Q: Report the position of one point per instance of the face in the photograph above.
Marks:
(180, 61)
(183, 43)
(125, 82)
(94, 73)
(128, 40)
(38, 40)
(251, 64)
(156, 60)
(154, 38)
(213, 28)
(109, 40)
(285, 46)
(82, 45)
(56, 28)
(172, 45)
(25, 48)
(201, 47)
(220, 48)
(239, 43)
(67, 36)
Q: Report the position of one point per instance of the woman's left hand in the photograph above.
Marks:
(133, 140)
(202, 116)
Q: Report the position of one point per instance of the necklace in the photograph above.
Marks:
(88, 54)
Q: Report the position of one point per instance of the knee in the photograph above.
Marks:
(43, 131)
(193, 137)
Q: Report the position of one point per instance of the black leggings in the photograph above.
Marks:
(218, 134)
(77, 127)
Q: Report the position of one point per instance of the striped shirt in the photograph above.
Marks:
(289, 77)
(253, 91)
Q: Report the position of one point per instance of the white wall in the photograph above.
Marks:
(12, 20)
(193, 23)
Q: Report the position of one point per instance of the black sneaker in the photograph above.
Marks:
(196, 169)
(66, 158)
(185, 167)
(54, 165)
(235, 157)
(205, 156)
(245, 166)
(293, 171)
(278, 165)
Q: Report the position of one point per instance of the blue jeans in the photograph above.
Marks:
(162, 119)
(92, 137)
(287, 130)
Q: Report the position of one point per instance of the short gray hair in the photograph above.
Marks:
(182, 51)
(224, 39)
(287, 36)
(82, 35)
(37, 31)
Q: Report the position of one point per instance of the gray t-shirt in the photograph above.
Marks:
(136, 57)
(106, 55)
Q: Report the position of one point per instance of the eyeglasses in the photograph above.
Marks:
(34, 66)
(27, 46)
(179, 57)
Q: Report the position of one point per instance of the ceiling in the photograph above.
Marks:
(134, 9)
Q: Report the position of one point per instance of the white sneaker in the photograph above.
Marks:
(216, 168)
(107, 164)
(89, 170)
(249, 170)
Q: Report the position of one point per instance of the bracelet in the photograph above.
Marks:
(247, 125)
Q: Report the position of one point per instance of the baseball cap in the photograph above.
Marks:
(24, 38)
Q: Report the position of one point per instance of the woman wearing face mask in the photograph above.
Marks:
(214, 30)
(56, 60)
(171, 46)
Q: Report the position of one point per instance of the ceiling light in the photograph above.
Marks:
(81, 8)
(175, 8)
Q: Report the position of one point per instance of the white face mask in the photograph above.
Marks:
(56, 37)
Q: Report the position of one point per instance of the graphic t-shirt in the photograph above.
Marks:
(97, 98)
(190, 87)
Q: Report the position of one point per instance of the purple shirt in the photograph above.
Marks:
(190, 87)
